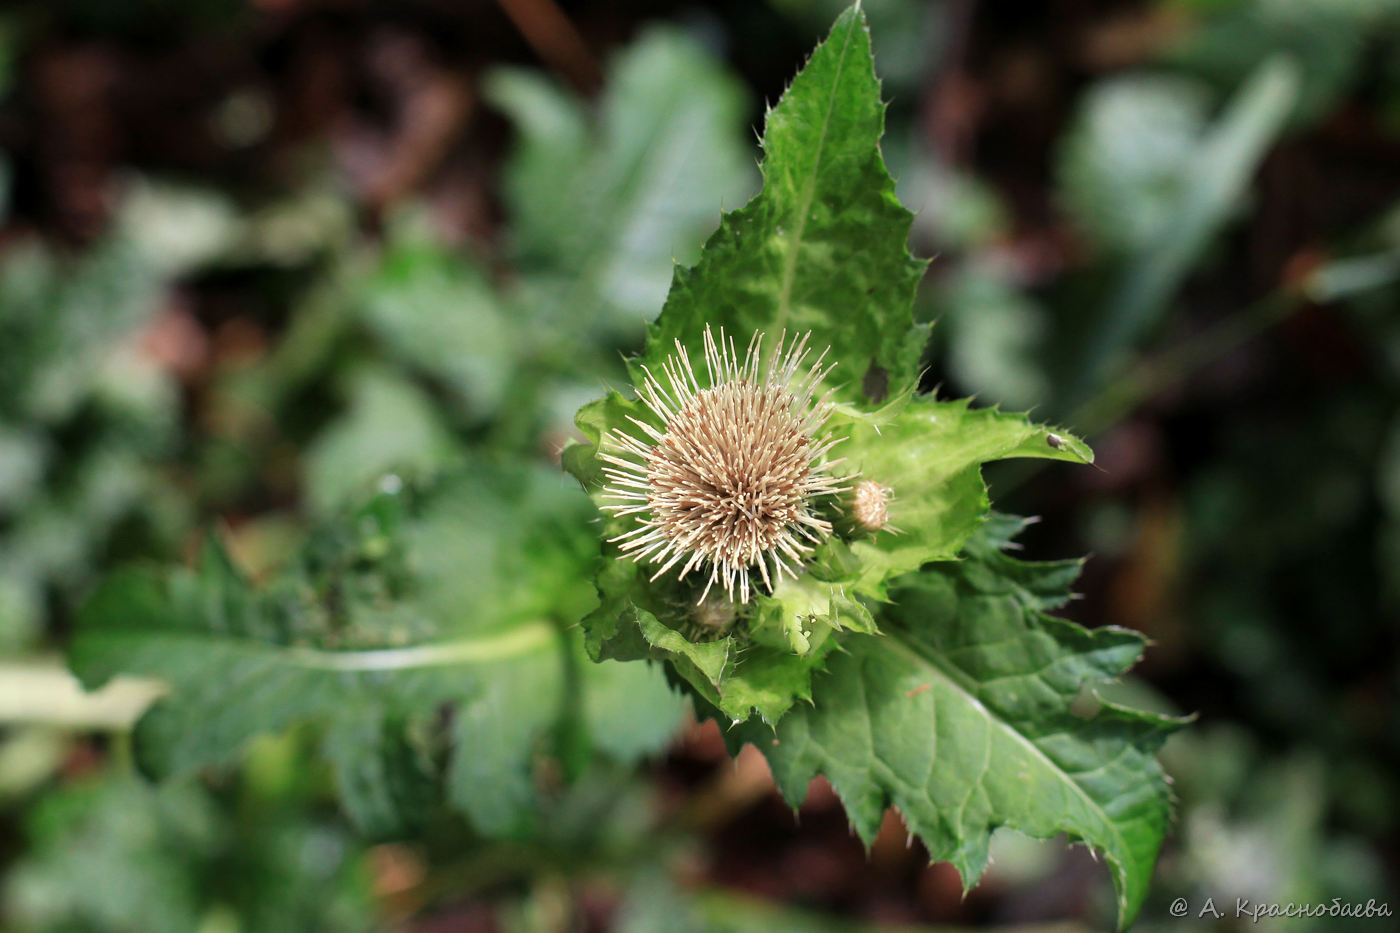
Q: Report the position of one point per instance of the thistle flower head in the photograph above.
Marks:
(729, 484)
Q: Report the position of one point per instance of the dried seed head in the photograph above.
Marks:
(730, 482)
(870, 505)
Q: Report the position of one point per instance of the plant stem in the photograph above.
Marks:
(1144, 378)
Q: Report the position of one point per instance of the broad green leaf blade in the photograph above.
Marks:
(494, 737)
(227, 688)
(451, 598)
(386, 781)
(629, 709)
(389, 424)
(822, 247)
(960, 716)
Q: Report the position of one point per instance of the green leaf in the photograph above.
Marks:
(1328, 39)
(602, 207)
(1123, 165)
(995, 335)
(962, 715)
(822, 247)
(621, 704)
(385, 779)
(390, 424)
(110, 852)
(436, 311)
(133, 848)
(450, 598)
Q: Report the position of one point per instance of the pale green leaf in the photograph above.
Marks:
(1124, 163)
(389, 424)
(930, 457)
(108, 852)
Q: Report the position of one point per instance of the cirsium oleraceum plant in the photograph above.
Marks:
(809, 547)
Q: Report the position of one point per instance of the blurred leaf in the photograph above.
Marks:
(115, 856)
(390, 425)
(386, 780)
(60, 318)
(85, 406)
(22, 457)
(451, 599)
(30, 755)
(1326, 38)
(602, 210)
(628, 709)
(177, 227)
(1124, 164)
(314, 222)
(60, 531)
(996, 337)
(1213, 180)
(960, 716)
(436, 311)
(654, 905)
(953, 209)
(1341, 279)
(118, 855)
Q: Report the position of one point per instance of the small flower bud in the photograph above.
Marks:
(870, 505)
(715, 615)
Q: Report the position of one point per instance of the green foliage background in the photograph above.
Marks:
(291, 443)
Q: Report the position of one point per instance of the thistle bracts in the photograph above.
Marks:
(731, 482)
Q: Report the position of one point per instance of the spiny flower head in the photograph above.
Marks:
(870, 505)
(730, 482)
